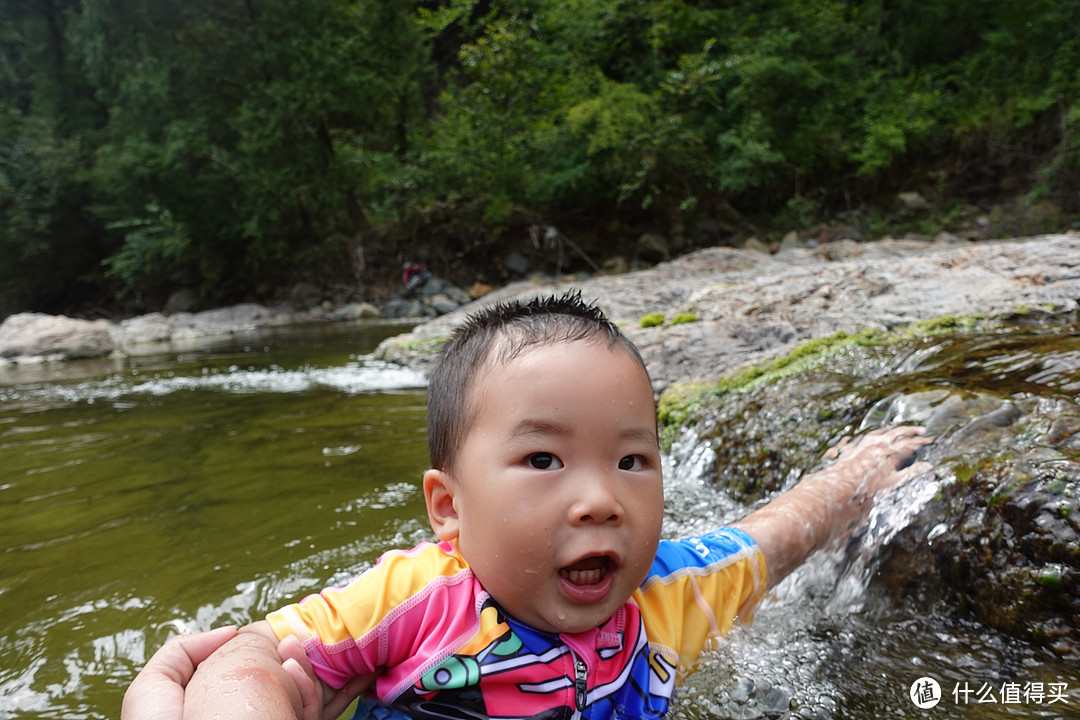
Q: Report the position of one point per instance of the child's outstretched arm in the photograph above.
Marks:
(827, 505)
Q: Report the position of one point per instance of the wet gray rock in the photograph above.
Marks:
(54, 337)
(305, 295)
(653, 248)
(753, 306)
(355, 311)
(516, 264)
(397, 308)
(150, 332)
(791, 241)
(150, 328)
(912, 201)
(442, 304)
(32, 337)
(995, 533)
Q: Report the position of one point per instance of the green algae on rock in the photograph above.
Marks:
(998, 540)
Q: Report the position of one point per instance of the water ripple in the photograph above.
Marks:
(354, 378)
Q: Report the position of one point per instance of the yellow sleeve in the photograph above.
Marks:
(697, 589)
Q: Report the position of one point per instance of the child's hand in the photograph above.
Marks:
(827, 505)
(878, 460)
(320, 701)
(297, 665)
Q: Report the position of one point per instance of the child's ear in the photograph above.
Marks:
(439, 496)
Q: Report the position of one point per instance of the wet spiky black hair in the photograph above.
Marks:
(500, 333)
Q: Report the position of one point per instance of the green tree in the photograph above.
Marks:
(50, 244)
(260, 127)
(239, 144)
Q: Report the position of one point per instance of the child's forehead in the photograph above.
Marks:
(515, 355)
(518, 362)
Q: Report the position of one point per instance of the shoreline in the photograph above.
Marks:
(749, 307)
(694, 318)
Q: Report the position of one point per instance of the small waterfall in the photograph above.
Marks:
(968, 574)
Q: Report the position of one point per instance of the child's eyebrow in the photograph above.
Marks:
(542, 428)
(538, 428)
(644, 434)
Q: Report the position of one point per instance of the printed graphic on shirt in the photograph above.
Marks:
(542, 678)
(441, 648)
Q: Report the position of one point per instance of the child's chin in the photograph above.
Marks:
(579, 622)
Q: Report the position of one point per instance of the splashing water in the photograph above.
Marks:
(846, 635)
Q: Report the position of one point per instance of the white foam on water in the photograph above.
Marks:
(354, 378)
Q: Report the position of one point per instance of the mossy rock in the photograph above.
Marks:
(653, 319)
(682, 318)
(999, 541)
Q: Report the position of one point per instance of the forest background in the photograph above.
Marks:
(239, 146)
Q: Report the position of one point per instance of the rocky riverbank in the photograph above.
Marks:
(996, 537)
(694, 318)
(714, 310)
(32, 338)
(993, 535)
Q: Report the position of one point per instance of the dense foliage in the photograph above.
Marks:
(235, 146)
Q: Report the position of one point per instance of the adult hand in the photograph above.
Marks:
(157, 692)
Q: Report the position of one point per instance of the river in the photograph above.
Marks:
(191, 489)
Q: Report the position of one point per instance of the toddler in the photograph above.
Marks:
(549, 593)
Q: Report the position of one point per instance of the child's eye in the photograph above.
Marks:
(544, 461)
(632, 462)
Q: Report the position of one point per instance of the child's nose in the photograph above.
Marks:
(597, 501)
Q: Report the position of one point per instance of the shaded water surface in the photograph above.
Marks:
(184, 492)
(187, 492)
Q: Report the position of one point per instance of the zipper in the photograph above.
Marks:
(580, 690)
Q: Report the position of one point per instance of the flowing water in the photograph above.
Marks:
(850, 633)
(188, 490)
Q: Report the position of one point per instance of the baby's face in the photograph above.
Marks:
(558, 487)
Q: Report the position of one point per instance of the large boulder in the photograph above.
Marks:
(37, 334)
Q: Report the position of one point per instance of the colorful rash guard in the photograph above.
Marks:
(442, 648)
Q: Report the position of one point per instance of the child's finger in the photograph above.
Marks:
(310, 697)
(290, 647)
(295, 662)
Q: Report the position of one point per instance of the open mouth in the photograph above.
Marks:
(589, 571)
